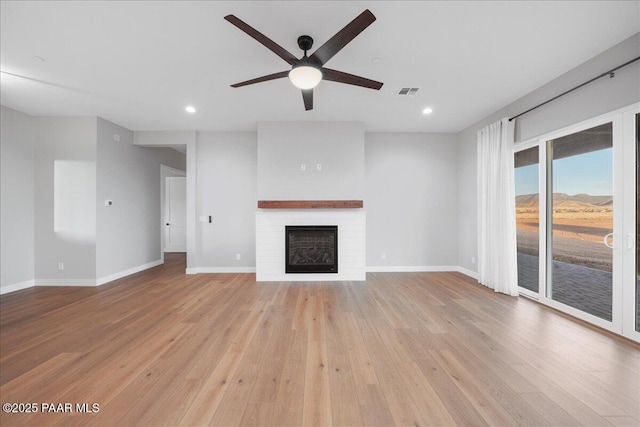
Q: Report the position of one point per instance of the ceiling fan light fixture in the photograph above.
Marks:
(305, 76)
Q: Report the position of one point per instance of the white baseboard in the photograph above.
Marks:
(467, 272)
(16, 286)
(88, 282)
(127, 272)
(370, 269)
(410, 268)
(97, 282)
(197, 270)
(65, 282)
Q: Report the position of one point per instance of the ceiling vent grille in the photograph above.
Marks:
(408, 92)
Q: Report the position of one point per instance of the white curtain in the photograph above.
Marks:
(497, 260)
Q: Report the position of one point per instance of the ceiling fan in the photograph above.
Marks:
(307, 72)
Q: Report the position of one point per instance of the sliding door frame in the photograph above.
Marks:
(542, 223)
(628, 242)
(624, 194)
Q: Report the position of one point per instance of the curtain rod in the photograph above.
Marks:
(609, 73)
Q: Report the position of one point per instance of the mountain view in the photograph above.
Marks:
(580, 223)
(565, 200)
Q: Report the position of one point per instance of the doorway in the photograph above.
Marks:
(173, 196)
(175, 239)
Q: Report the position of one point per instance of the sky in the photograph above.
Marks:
(590, 173)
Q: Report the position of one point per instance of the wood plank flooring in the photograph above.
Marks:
(420, 349)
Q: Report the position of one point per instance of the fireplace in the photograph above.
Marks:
(271, 252)
(311, 248)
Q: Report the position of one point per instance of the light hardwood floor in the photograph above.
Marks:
(420, 349)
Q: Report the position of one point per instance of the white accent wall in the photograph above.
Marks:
(310, 161)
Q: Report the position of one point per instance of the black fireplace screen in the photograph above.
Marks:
(311, 249)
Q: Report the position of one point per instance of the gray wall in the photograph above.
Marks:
(56, 174)
(410, 199)
(283, 147)
(410, 185)
(65, 167)
(226, 190)
(129, 233)
(419, 189)
(163, 137)
(16, 197)
(597, 98)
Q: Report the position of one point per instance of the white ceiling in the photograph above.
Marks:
(139, 64)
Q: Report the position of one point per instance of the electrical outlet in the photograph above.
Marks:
(238, 256)
(303, 167)
(116, 137)
(473, 260)
(383, 255)
(61, 266)
(319, 166)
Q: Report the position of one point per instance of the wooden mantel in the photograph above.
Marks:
(310, 204)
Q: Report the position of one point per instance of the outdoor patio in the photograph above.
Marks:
(584, 288)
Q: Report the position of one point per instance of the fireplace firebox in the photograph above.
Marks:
(311, 248)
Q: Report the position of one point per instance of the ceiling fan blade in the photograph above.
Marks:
(307, 97)
(261, 38)
(266, 78)
(342, 37)
(350, 79)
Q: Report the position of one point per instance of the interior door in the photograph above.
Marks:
(175, 214)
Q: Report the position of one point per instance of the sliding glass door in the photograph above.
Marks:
(580, 207)
(578, 220)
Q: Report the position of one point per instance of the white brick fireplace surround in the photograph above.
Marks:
(270, 242)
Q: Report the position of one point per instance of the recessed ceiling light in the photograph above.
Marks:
(40, 58)
(190, 109)
(427, 111)
(375, 60)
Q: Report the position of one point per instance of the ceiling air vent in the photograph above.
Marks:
(408, 92)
